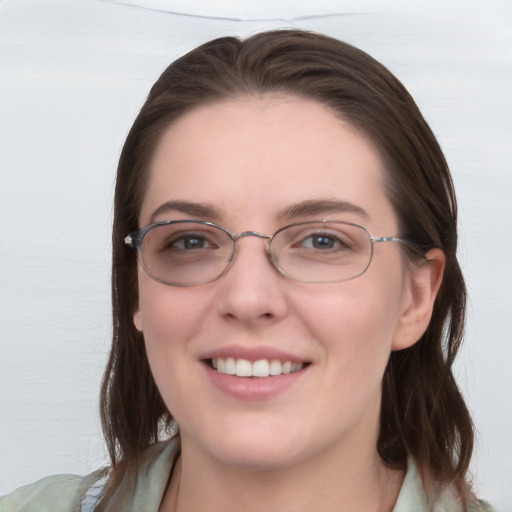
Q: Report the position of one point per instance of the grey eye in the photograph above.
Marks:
(189, 242)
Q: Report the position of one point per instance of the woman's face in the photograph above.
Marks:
(258, 164)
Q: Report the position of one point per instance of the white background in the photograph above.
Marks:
(73, 75)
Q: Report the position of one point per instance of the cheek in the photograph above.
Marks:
(355, 324)
(353, 327)
(169, 319)
(165, 314)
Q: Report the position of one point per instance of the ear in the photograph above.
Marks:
(420, 291)
(137, 319)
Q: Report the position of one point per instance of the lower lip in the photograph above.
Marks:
(253, 388)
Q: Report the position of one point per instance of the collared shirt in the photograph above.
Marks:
(69, 493)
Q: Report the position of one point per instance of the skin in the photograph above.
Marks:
(313, 445)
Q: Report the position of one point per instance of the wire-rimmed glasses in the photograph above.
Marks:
(193, 252)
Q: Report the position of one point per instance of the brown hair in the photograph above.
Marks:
(423, 413)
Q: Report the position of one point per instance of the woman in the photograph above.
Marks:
(287, 299)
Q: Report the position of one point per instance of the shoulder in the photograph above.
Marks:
(58, 493)
(414, 498)
(71, 493)
(481, 506)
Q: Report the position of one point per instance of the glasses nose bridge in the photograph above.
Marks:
(244, 234)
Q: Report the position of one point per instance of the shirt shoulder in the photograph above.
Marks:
(58, 493)
(481, 506)
(72, 493)
(413, 498)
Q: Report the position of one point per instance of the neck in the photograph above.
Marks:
(328, 483)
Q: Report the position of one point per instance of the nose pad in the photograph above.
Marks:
(244, 234)
(233, 256)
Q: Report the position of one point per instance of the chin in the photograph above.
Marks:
(252, 448)
(256, 458)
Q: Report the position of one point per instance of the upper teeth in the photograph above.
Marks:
(260, 368)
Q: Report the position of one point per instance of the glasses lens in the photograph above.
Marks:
(186, 253)
(322, 252)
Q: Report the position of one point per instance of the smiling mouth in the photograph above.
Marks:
(260, 368)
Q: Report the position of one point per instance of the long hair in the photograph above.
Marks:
(423, 414)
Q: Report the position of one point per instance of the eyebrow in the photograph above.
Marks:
(312, 207)
(307, 208)
(195, 210)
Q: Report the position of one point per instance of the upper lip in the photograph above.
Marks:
(252, 354)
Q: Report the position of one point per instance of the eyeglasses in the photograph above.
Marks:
(192, 252)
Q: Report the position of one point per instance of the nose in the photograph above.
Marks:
(252, 291)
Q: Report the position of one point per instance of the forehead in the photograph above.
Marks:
(251, 157)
